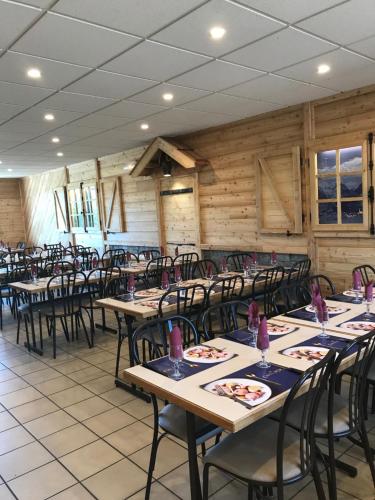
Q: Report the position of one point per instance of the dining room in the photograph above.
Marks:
(187, 249)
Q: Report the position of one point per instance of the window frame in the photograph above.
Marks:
(314, 176)
(82, 205)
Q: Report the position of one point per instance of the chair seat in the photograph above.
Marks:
(251, 453)
(172, 419)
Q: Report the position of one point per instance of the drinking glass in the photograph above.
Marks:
(165, 285)
(34, 275)
(178, 279)
(357, 292)
(176, 355)
(323, 323)
(209, 276)
(263, 363)
(131, 290)
(253, 325)
(368, 314)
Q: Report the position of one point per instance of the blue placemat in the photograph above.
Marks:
(361, 318)
(278, 378)
(309, 316)
(243, 336)
(165, 367)
(330, 342)
(340, 297)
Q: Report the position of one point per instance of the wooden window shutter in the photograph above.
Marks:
(113, 216)
(278, 193)
(61, 209)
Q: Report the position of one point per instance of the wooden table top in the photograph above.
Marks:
(41, 285)
(189, 395)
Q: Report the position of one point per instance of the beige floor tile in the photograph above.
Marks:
(5, 494)
(6, 374)
(131, 438)
(29, 367)
(361, 485)
(76, 492)
(117, 396)
(88, 408)
(138, 408)
(90, 459)
(34, 409)
(158, 492)
(42, 483)
(100, 385)
(62, 442)
(86, 375)
(23, 460)
(7, 421)
(17, 360)
(50, 423)
(20, 397)
(99, 357)
(234, 490)
(12, 385)
(55, 385)
(71, 396)
(117, 482)
(41, 375)
(72, 366)
(109, 422)
(109, 366)
(170, 456)
(14, 438)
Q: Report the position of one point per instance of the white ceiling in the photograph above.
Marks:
(106, 65)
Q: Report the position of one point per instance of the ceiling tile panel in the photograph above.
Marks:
(105, 84)
(216, 75)
(156, 61)
(196, 118)
(9, 110)
(64, 39)
(68, 101)
(344, 24)
(14, 19)
(180, 95)
(55, 75)
(36, 114)
(365, 47)
(279, 50)
(131, 110)
(242, 26)
(101, 121)
(11, 93)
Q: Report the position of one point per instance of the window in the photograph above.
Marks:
(340, 183)
(83, 207)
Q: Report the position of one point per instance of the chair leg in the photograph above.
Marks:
(40, 330)
(217, 439)
(373, 399)
(368, 452)
(81, 320)
(154, 449)
(18, 327)
(205, 481)
(250, 491)
(119, 344)
(203, 448)
(53, 328)
(331, 470)
(318, 482)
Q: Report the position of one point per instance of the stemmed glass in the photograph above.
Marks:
(263, 363)
(209, 275)
(246, 269)
(34, 274)
(178, 279)
(131, 288)
(253, 325)
(368, 299)
(176, 355)
(323, 320)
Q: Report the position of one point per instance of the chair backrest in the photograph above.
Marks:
(186, 261)
(63, 266)
(21, 244)
(363, 349)
(87, 258)
(155, 268)
(18, 273)
(154, 254)
(188, 300)
(225, 289)
(235, 261)
(265, 282)
(39, 266)
(98, 279)
(288, 297)
(299, 270)
(115, 257)
(367, 273)
(66, 291)
(154, 333)
(117, 285)
(324, 284)
(224, 318)
(200, 268)
(315, 378)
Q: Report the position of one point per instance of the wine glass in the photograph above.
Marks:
(209, 275)
(131, 289)
(246, 268)
(263, 363)
(178, 278)
(253, 325)
(368, 301)
(176, 355)
(323, 320)
(34, 274)
(357, 290)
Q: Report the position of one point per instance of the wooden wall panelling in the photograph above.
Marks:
(61, 209)
(112, 207)
(12, 224)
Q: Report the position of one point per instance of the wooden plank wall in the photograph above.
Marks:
(12, 225)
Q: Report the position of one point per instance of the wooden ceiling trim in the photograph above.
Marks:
(183, 155)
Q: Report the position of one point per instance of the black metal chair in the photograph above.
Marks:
(200, 268)
(186, 262)
(221, 319)
(115, 257)
(324, 284)
(288, 297)
(154, 254)
(154, 270)
(225, 289)
(87, 259)
(65, 293)
(264, 284)
(270, 454)
(367, 273)
(171, 419)
(235, 261)
(299, 270)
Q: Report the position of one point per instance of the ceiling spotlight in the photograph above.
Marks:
(323, 68)
(34, 73)
(1, 162)
(49, 117)
(217, 32)
(10, 169)
(55, 140)
(59, 154)
(168, 96)
(144, 126)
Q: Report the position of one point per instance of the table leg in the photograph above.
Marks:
(195, 483)
(34, 346)
(103, 325)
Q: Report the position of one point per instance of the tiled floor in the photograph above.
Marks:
(67, 433)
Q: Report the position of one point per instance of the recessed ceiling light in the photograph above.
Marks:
(59, 154)
(217, 32)
(10, 169)
(323, 68)
(1, 162)
(55, 139)
(49, 117)
(144, 126)
(168, 96)
(34, 73)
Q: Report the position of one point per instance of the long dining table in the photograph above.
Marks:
(191, 395)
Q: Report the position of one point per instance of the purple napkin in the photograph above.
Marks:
(223, 264)
(56, 269)
(273, 257)
(128, 256)
(165, 280)
(209, 269)
(316, 298)
(175, 343)
(33, 269)
(254, 258)
(368, 291)
(177, 272)
(357, 280)
(263, 340)
(131, 283)
(76, 264)
(322, 311)
(147, 255)
(246, 262)
(94, 262)
(253, 314)
(176, 251)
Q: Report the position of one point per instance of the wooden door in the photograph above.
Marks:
(112, 205)
(179, 214)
